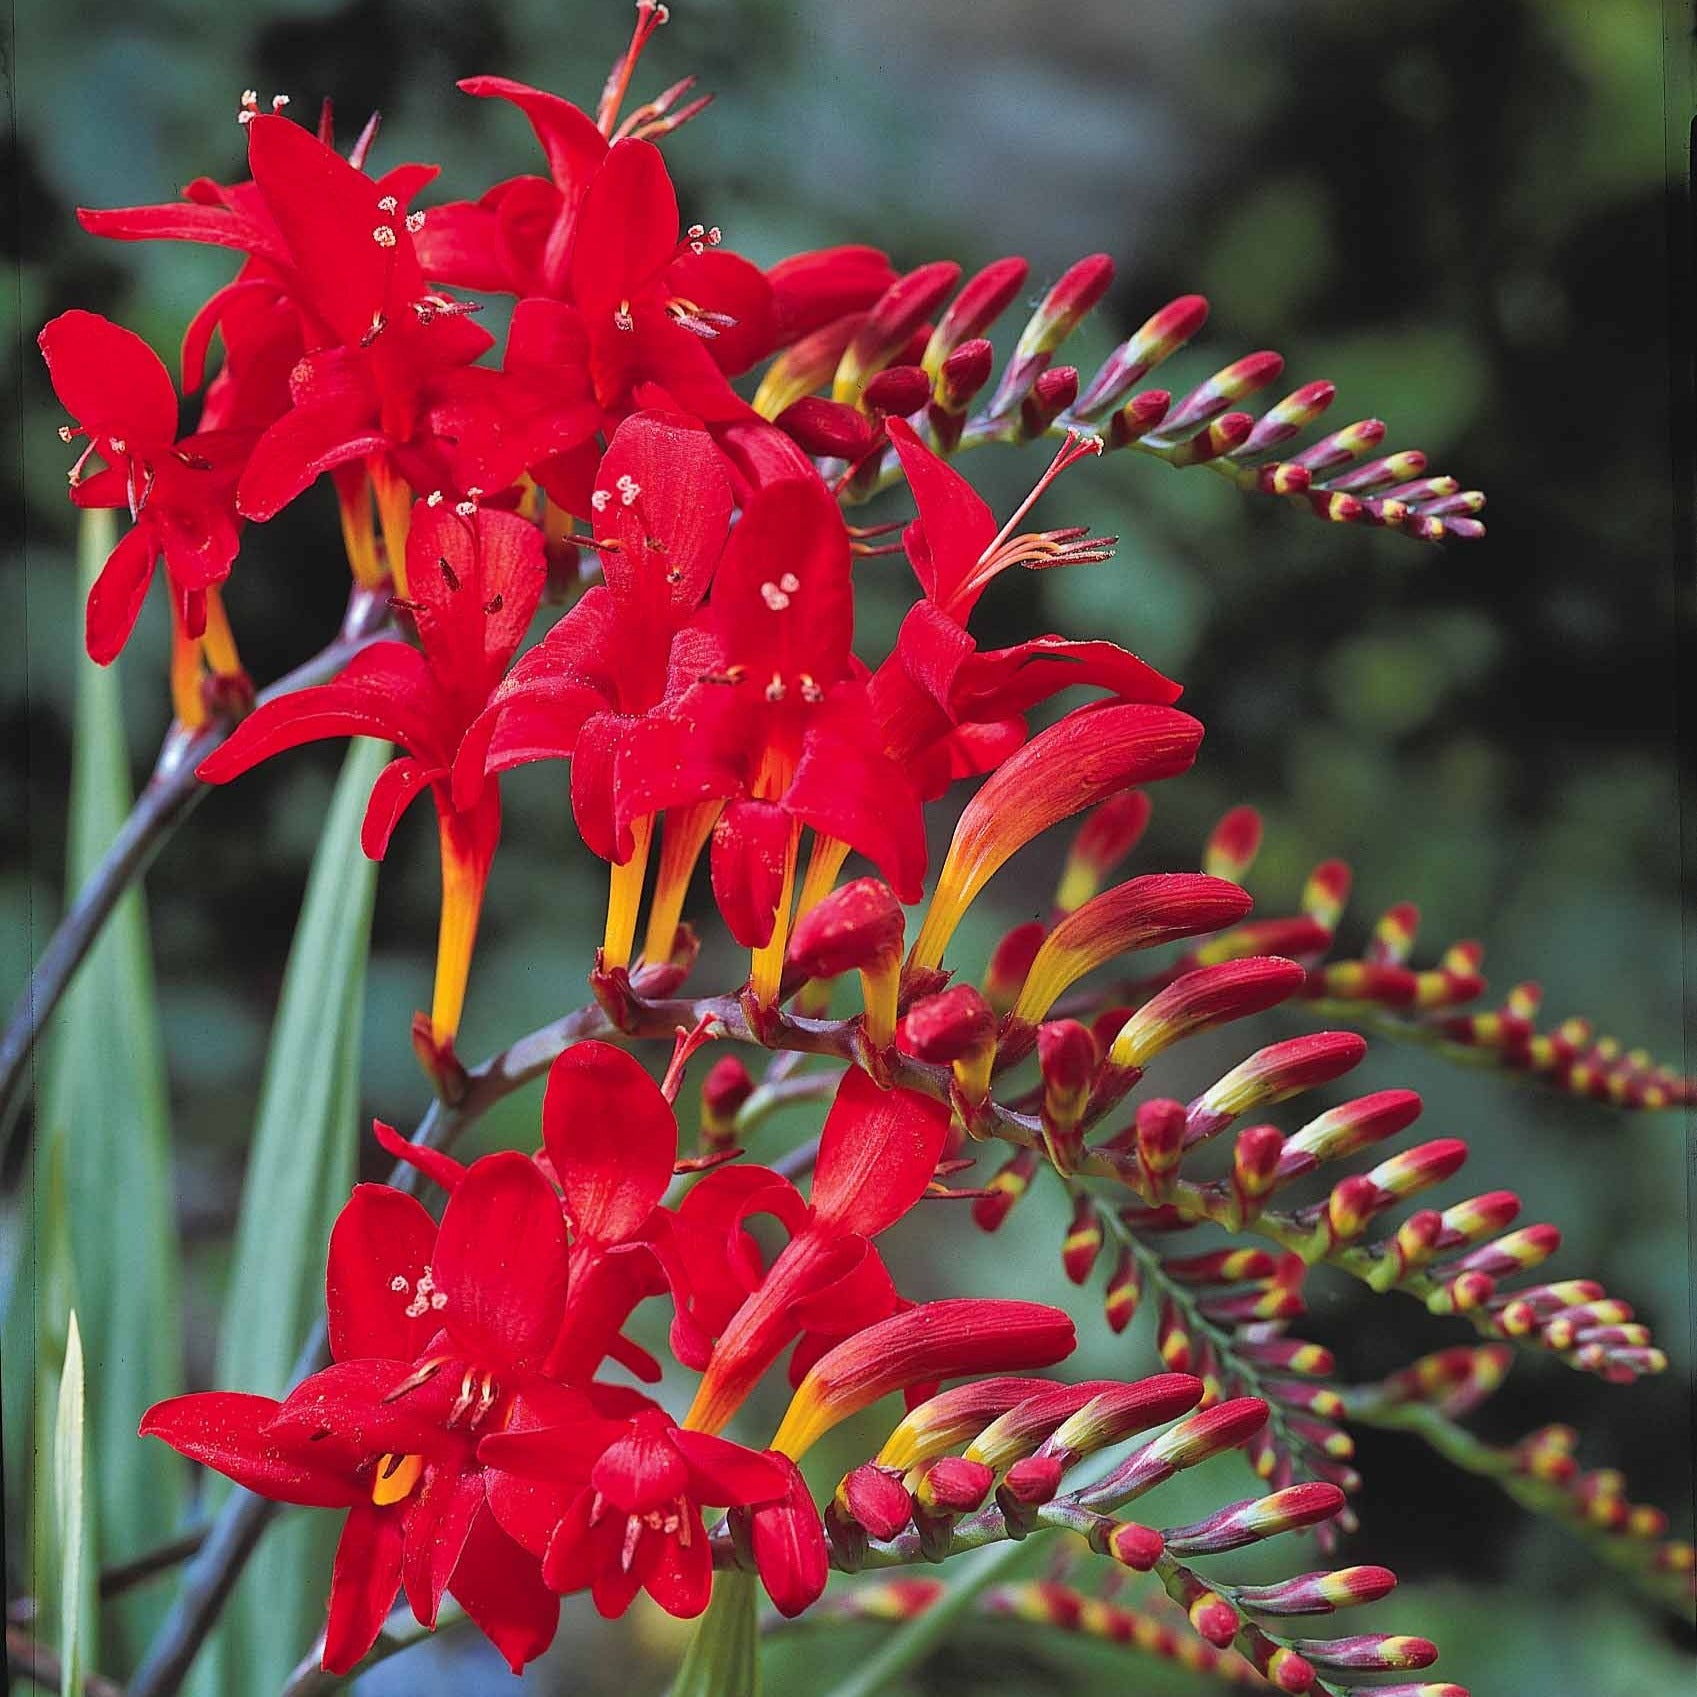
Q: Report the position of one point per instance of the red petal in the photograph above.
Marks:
(352, 1407)
(726, 1474)
(811, 290)
(442, 1170)
(789, 1547)
(114, 603)
(569, 137)
(612, 1138)
(752, 843)
(1008, 681)
(227, 1430)
(460, 245)
(292, 454)
(787, 529)
(877, 1154)
(501, 1262)
(627, 229)
(437, 1529)
(379, 1248)
(363, 1584)
(672, 530)
(855, 793)
(680, 1578)
(957, 525)
(500, 1586)
(725, 283)
(110, 381)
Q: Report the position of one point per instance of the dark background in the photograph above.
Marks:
(1456, 212)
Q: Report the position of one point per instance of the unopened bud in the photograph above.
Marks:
(962, 375)
(723, 1091)
(1124, 1291)
(1198, 1001)
(898, 391)
(1160, 1143)
(876, 1499)
(1320, 1593)
(830, 429)
(1066, 1054)
(1160, 336)
(1010, 962)
(1260, 1517)
(1004, 1190)
(957, 1028)
(1326, 892)
(1273, 1074)
(1233, 844)
(1226, 1425)
(1083, 1242)
(1347, 1128)
(983, 299)
(890, 324)
(953, 1485)
(1108, 834)
(1053, 392)
(856, 928)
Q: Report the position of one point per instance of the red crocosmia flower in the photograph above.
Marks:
(680, 314)
(476, 580)
(825, 286)
(634, 1520)
(437, 1337)
(662, 508)
(877, 1154)
(377, 338)
(778, 726)
(610, 1138)
(180, 494)
(950, 709)
(788, 1541)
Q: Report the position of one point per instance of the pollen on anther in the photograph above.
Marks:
(398, 1283)
(789, 583)
(415, 222)
(628, 489)
(775, 598)
(435, 498)
(383, 235)
(66, 434)
(600, 499)
(389, 204)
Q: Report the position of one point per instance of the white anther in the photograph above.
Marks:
(696, 231)
(399, 1283)
(622, 319)
(775, 689)
(434, 498)
(119, 445)
(439, 1299)
(278, 102)
(415, 222)
(465, 508)
(789, 583)
(389, 204)
(628, 489)
(600, 499)
(383, 235)
(774, 597)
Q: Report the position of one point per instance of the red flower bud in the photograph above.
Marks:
(723, 1091)
(954, 1485)
(898, 390)
(789, 1546)
(831, 429)
(1010, 962)
(1108, 834)
(875, 1498)
(1233, 844)
(982, 300)
(963, 374)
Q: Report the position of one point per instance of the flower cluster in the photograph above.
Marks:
(687, 553)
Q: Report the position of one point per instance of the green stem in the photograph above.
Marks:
(723, 1659)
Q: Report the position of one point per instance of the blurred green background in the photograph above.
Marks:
(1453, 211)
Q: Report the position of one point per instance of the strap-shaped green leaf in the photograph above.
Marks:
(300, 1170)
(71, 1512)
(104, 1112)
(723, 1659)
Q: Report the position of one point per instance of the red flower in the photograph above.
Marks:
(877, 1154)
(179, 493)
(476, 580)
(438, 1337)
(663, 507)
(634, 1519)
(950, 709)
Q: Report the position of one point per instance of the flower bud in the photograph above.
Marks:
(1213, 1619)
(874, 1498)
(1347, 1128)
(983, 299)
(788, 1543)
(1031, 1482)
(723, 1091)
(1209, 400)
(1073, 295)
(1255, 1165)
(1005, 1188)
(1198, 1001)
(1083, 1242)
(1319, 1593)
(1142, 913)
(1010, 962)
(1162, 335)
(1073, 764)
(1300, 938)
(962, 375)
(934, 1340)
(1341, 446)
(829, 429)
(1124, 1290)
(890, 324)
(1107, 835)
(1119, 1411)
(1160, 1143)
(955, 1416)
(953, 1485)
(856, 928)
(1414, 1170)
(1053, 392)
(1226, 1425)
(1212, 441)
(1066, 1055)
(1233, 844)
(898, 390)
(1222, 1266)
(1021, 1429)
(1326, 892)
(1290, 417)
(1260, 1517)
(1172, 1337)
(1368, 1652)
(1131, 1545)
(1273, 1074)
(1138, 418)
(958, 1028)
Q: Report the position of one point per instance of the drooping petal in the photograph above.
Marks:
(568, 135)
(302, 445)
(501, 1262)
(858, 795)
(500, 1586)
(360, 1406)
(397, 787)
(877, 1153)
(955, 525)
(380, 1247)
(114, 602)
(789, 1546)
(437, 1529)
(751, 847)
(363, 1584)
(228, 1431)
(612, 1138)
(680, 1578)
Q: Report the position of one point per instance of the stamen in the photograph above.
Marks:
(389, 204)
(775, 691)
(415, 223)
(628, 489)
(383, 235)
(775, 596)
(622, 319)
(633, 1538)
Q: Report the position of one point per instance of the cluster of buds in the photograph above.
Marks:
(703, 683)
(1541, 1471)
(1427, 1004)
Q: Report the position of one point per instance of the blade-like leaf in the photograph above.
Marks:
(723, 1659)
(104, 1104)
(300, 1170)
(70, 1516)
